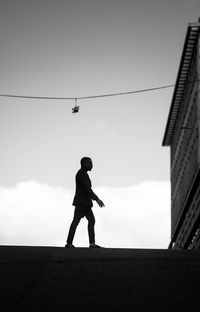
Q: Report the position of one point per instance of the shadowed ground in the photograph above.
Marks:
(83, 279)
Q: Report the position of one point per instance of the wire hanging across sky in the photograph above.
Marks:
(85, 97)
(75, 109)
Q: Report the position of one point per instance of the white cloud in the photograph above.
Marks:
(134, 217)
(137, 216)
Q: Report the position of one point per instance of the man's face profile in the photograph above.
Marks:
(87, 164)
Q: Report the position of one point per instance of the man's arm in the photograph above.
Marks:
(86, 184)
(100, 203)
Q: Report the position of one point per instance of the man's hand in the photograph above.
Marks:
(100, 203)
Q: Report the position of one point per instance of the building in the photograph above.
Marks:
(182, 134)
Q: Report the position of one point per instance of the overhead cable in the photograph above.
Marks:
(85, 97)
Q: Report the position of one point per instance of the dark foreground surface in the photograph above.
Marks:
(83, 279)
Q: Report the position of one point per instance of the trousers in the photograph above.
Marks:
(82, 211)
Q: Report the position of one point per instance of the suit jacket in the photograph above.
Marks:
(84, 193)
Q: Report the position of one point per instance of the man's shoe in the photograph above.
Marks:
(69, 245)
(93, 245)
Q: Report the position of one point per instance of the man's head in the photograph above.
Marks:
(86, 163)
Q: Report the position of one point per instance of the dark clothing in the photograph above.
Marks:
(84, 193)
(80, 212)
(83, 204)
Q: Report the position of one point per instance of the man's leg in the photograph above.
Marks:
(73, 226)
(91, 222)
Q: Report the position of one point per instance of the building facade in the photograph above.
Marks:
(182, 134)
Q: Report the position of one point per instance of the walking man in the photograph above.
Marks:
(83, 198)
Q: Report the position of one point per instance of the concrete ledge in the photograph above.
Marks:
(83, 279)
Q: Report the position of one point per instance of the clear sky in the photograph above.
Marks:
(61, 48)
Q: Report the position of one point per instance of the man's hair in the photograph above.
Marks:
(84, 159)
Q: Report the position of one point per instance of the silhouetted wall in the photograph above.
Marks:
(182, 135)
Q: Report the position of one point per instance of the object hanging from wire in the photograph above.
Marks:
(75, 109)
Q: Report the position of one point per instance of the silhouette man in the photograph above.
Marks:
(83, 198)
